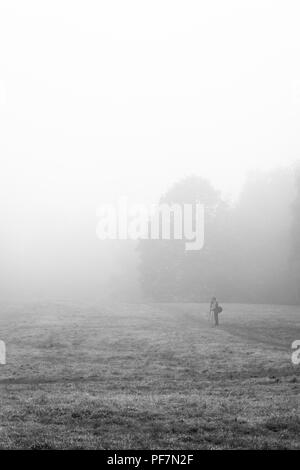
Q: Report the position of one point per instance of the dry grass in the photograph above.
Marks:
(149, 376)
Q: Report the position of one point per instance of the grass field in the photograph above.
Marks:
(149, 376)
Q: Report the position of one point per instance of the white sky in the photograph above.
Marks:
(100, 99)
(105, 97)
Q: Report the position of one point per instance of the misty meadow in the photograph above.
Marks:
(169, 329)
(142, 366)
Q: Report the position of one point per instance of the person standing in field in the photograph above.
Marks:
(215, 309)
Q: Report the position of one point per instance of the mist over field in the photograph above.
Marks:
(134, 342)
(128, 105)
(250, 253)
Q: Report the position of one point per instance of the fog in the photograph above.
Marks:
(104, 99)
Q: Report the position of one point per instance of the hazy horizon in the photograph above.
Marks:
(127, 98)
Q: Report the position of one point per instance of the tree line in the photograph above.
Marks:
(251, 251)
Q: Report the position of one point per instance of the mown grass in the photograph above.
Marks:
(149, 376)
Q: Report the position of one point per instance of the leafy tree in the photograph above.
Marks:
(261, 224)
(167, 270)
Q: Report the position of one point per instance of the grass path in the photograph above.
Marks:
(149, 376)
